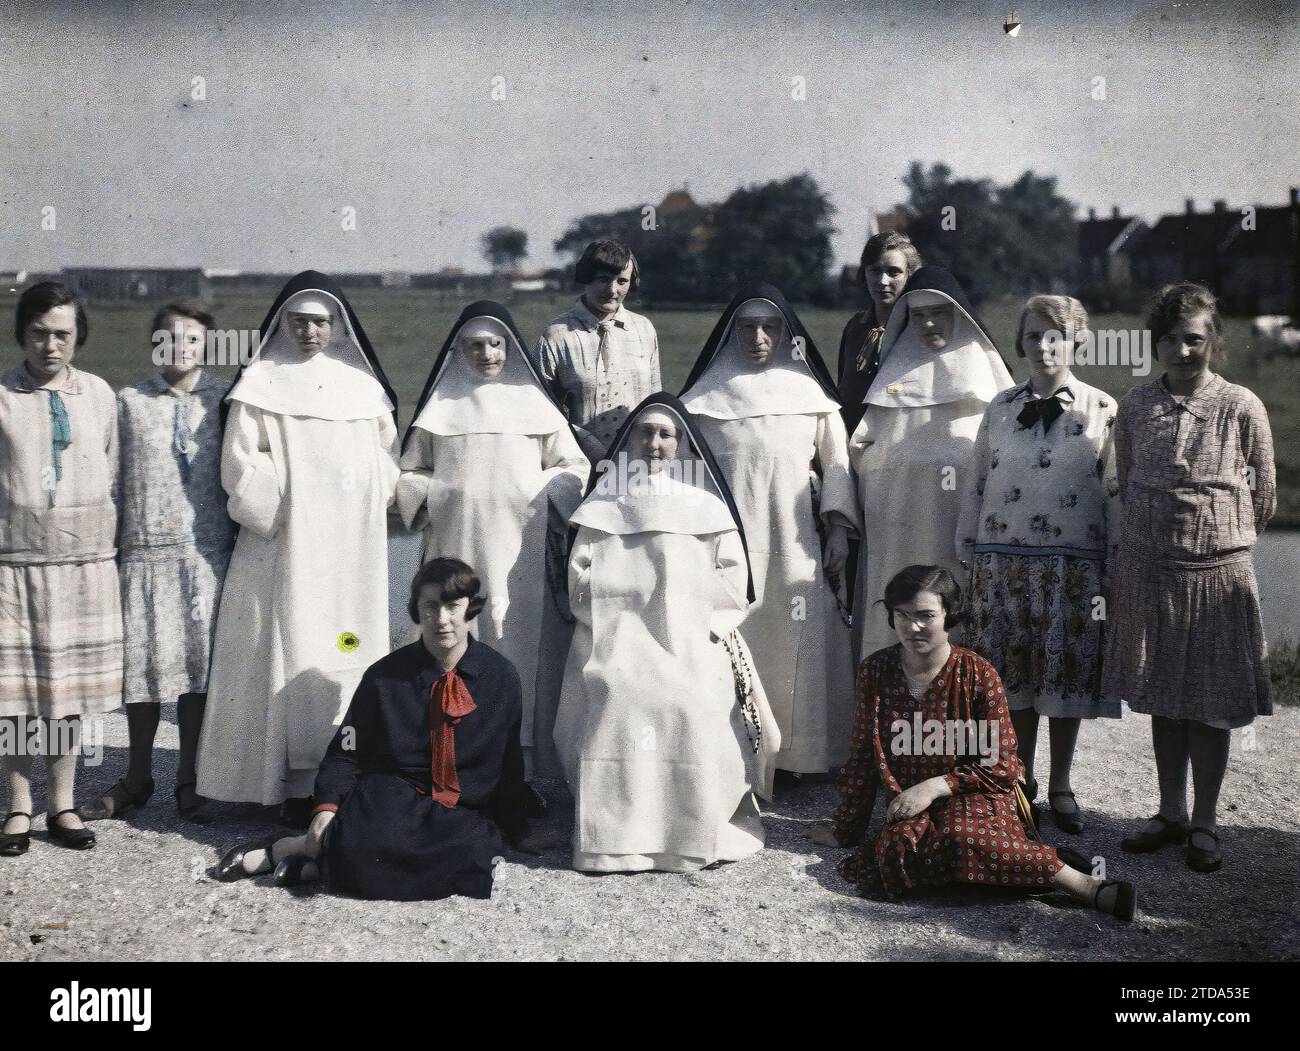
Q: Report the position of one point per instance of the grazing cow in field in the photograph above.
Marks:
(1274, 335)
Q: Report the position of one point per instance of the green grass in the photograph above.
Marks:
(407, 327)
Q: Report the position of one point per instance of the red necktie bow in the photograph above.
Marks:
(449, 702)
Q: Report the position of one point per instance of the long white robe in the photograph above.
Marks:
(486, 499)
(914, 445)
(911, 465)
(304, 609)
(648, 729)
(800, 638)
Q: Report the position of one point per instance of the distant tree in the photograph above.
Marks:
(997, 240)
(779, 232)
(664, 243)
(504, 246)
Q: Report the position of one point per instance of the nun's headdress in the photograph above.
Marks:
(457, 400)
(689, 495)
(342, 381)
(726, 385)
(912, 374)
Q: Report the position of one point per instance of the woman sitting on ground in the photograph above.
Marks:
(425, 774)
(952, 813)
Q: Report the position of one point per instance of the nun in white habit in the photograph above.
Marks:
(489, 464)
(939, 369)
(766, 405)
(309, 465)
(663, 727)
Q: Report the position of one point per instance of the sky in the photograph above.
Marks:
(388, 109)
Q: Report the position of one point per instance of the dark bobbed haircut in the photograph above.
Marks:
(41, 299)
(182, 308)
(453, 579)
(888, 241)
(606, 256)
(1177, 301)
(907, 583)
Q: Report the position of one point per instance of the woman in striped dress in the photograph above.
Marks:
(60, 615)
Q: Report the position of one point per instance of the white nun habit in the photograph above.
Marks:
(658, 753)
(490, 464)
(780, 442)
(911, 449)
(309, 464)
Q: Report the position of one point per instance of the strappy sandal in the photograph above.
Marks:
(1066, 821)
(1125, 906)
(122, 798)
(72, 838)
(1198, 858)
(15, 844)
(1145, 842)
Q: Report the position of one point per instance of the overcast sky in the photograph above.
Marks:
(388, 109)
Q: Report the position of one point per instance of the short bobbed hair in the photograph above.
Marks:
(889, 241)
(453, 579)
(1184, 299)
(1066, 314)
(41, 299)
(606, 256)
(184, 308)
(907, 583)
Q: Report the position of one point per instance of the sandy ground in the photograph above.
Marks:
(145, 892)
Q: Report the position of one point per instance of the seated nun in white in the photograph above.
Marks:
(489, 463)
(309, 465)
(766, 405)
(939, 369)
(663, 727)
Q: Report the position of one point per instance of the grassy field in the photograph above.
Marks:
(407, 327)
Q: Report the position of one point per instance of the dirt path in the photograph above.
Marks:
(144, 892)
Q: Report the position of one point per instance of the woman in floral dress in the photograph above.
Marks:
(1039, 519)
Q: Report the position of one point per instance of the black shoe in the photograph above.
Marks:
(72, 838)
(784, 779)
(192, 806)
(1200, 859)
(1125, 906)
(117, 802)
(1075, 860)
(1066, 821)
(289, 872)
(1145, 842)
(14, 844)
(231, 866)
(296, 813)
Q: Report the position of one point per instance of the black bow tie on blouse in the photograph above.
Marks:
(1045, 409)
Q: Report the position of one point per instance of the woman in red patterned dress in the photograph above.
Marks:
(932, 725)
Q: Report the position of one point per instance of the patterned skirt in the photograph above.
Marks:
(1032, 619)
(60, 640)
(1188, 642)
(169, 615)
(973, 838)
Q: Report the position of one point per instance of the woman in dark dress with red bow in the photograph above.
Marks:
(425, 774)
